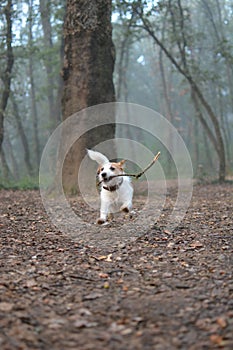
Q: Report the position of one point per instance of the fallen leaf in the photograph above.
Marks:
(126, 331)
(216, 339)
(103, 275)
(4, 306)
(125, 288)
(104, 257)
(92, 296)
(196, 244)
(109, 257)
(80, 323)
(84, 324)
(221, 321)
(31, 283)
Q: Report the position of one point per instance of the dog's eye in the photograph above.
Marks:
(101, 169)
(112, 168)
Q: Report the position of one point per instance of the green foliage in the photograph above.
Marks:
(26, 183)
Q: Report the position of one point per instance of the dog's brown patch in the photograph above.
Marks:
(99, 169)
(120, 164)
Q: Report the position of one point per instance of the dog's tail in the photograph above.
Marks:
(98, 157)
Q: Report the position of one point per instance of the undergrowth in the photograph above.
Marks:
(25, 183)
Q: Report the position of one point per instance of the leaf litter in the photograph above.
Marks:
(164, 290)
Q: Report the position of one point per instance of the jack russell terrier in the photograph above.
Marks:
(116, 192)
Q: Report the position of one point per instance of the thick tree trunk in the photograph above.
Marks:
(87, 73)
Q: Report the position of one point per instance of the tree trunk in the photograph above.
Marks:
(23, 137)
(6, 78)
(14, 174)
(195, 88)
(168, 111)
(60, 84)
(33, 92)
(220, 148)
(6, 172)
(87, 73)
(122, 68)
(47, 30)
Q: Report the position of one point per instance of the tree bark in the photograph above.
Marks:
(23, 137)
(32, 88)
(6, 172)
(47, 30)
(6, 78)
(87, 74)
(14, 173)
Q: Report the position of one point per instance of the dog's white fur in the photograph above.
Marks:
(116, 193)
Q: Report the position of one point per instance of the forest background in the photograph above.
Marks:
(175, 57)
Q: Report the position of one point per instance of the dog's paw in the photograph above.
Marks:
(125, 209)
(100, 221)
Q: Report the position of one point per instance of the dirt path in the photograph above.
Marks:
(160, 291)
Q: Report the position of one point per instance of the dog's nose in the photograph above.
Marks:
(104, 175)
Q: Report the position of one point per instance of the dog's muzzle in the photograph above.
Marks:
(104, 176)
(114, 187)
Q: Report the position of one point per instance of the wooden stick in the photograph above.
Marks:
(138, 174)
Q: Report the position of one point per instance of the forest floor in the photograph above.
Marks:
(162, 290)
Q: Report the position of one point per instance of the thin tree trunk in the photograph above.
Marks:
(123, 63)
(32, 88)
(23, 137)
(168, 110)
(60, 84)
(223, 124)
(48, 44)
(196, 145)
(219, 145)
(11, 158)
(6, 172)
(121, 69)
(6, 78)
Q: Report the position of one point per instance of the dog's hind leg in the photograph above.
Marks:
(126, 207)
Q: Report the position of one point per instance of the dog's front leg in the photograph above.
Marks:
(104, 208)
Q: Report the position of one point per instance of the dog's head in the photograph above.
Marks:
(107, 172)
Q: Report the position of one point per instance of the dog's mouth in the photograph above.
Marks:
(106, 179)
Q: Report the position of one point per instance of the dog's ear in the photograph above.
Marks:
(100, 158)
(122, 163)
